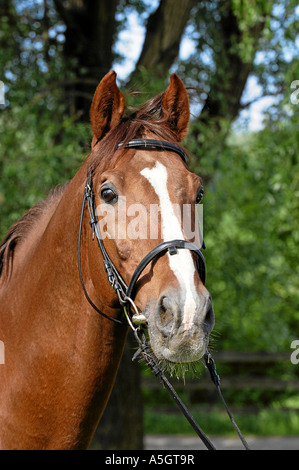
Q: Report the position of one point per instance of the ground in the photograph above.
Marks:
(221, 443)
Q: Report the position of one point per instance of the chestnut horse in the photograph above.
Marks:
(61, 356)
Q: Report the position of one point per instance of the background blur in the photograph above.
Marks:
(239, 60)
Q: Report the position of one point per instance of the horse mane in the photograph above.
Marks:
(19, 231)
(150, 118)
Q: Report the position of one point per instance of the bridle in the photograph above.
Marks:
(115, 279)
(126, 293)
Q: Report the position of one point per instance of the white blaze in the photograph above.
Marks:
(182, 263)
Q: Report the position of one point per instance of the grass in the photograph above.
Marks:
(267, 422)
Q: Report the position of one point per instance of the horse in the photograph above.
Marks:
(61, 355)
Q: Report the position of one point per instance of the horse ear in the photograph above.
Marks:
(107, 107)
(176, 106)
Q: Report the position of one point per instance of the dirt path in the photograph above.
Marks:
(221, 443)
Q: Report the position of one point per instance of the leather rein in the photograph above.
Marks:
(125, 293)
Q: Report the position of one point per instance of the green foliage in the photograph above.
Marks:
(37, 153)
(143, 87)
(267, 422)
(251, 232)
(41, 146)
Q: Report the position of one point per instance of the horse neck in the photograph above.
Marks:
(71, 352)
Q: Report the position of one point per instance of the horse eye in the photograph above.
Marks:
(199, 195)
(108, 195)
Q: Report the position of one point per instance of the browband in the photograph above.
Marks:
(151, 144)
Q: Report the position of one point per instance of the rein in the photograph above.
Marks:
(125, 292)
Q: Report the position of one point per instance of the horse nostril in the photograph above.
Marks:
(209, 317)
(165, 312)
(165, 304)
(165, 315)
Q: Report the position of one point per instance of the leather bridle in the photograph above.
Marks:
(123, 291)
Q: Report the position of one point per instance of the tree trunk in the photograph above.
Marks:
(121, 427)
(231, 70)
(164, 31)
(89, 37)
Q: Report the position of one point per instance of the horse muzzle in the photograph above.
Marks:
(176, 334)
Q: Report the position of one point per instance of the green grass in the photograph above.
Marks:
(267, 422)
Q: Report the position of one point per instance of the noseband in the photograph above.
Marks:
(123, 291)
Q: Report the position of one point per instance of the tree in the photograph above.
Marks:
(91, 28)
(164, 30)
(77, 39)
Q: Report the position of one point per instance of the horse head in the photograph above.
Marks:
(145, 195)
